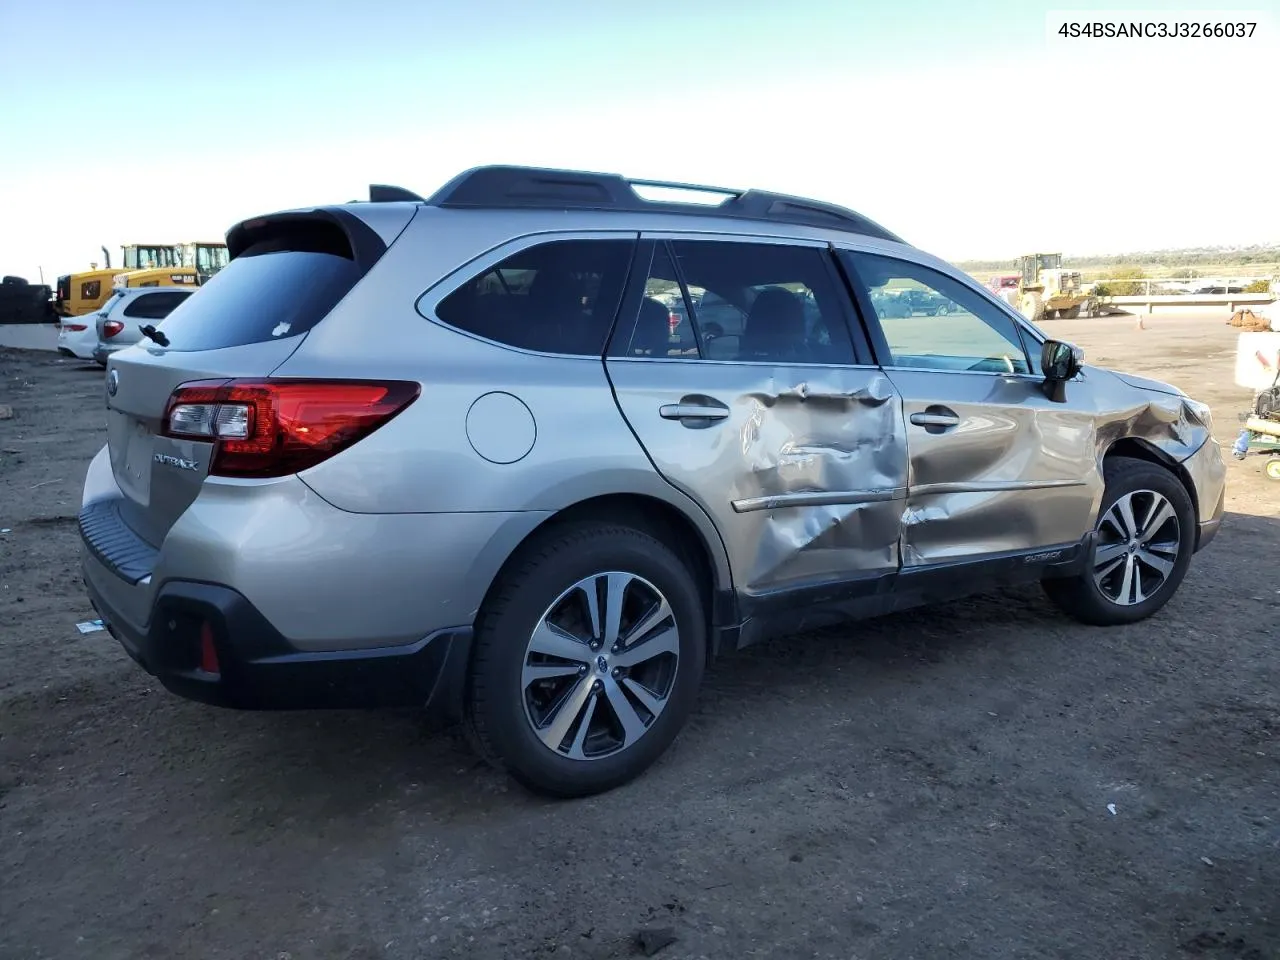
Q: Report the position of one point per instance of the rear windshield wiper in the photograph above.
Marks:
(151, 333)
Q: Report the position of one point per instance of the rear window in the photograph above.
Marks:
(556, 297)
(154, 306)
(259, 297)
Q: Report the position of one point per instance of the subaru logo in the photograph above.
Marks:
(113, 383)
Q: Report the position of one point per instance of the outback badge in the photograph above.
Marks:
(171, 461)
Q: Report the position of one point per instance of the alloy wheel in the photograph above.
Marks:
(600, 666)
(1138, 542)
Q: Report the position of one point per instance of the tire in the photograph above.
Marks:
(1272, 468)
(942, 311)
(1031, 306)
(1071, 312)
(1083, 597)
(545, 583)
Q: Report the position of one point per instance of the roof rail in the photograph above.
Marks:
(514, 187)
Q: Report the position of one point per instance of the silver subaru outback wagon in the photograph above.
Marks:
(531, 451)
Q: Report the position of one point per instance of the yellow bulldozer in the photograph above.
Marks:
(1046, 290)
(143, 265)
(191, 264)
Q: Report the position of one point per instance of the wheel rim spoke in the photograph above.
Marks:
(1108, 554)
(1159, 564)
(664, 641)
(553, 642)
(588, 590)
(644, 695)
(632, 726)
(661, 612)
(565, 714)
(1157, 517)
(1123, 511)
(614, 596)
(533, 672)
(580, 738)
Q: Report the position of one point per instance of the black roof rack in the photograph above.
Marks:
(513, 187)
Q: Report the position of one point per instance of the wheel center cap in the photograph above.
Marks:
(602, 663)
(1133, 546)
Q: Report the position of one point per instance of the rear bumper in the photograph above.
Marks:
(104, 350)
(258, 669)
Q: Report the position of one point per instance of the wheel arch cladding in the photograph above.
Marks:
(1136, 448)
(655, 517)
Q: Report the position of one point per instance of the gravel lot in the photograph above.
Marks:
(933, 785)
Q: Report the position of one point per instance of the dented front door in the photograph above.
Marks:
(800, 464)
(996, 467)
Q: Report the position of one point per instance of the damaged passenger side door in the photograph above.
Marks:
(999, 471)
(735, 363)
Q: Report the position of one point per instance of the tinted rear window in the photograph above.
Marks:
(556, 297)
(154, 306)
(259, 297)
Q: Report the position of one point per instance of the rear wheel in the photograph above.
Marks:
(1144, 539)
(1272, 468)
(588, 660)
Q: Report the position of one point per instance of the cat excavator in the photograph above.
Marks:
(143, 265)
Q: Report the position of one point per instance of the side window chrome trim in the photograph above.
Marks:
(427, 301)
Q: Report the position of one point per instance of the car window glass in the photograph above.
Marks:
(933, 321)
(764, 302)
(154, 306)
(556, 297)
(663, 327)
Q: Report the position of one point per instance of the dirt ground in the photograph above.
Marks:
(985, 779)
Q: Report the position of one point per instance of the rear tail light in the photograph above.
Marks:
(74, 327)
(272, 428)
(111, 328)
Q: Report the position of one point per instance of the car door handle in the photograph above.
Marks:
(692, 411)
(936, 417)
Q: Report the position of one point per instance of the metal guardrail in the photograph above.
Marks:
(1183, 286)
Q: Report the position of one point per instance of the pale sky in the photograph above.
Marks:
(959, 126)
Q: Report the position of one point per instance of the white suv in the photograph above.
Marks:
(120, 321)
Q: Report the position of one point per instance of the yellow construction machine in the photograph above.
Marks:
(143, 265)
(1046, 290)
(191, 264)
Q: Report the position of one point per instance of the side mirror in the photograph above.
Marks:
(1060, 362)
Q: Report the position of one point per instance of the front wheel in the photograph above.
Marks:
(1144, 539)
(1272, 468)
(588, 660)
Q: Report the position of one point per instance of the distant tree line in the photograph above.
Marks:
(1167, 259)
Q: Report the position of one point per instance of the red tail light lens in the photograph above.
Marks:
(74, 327)
(272, 428)
(111, 328)
(208, 652)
